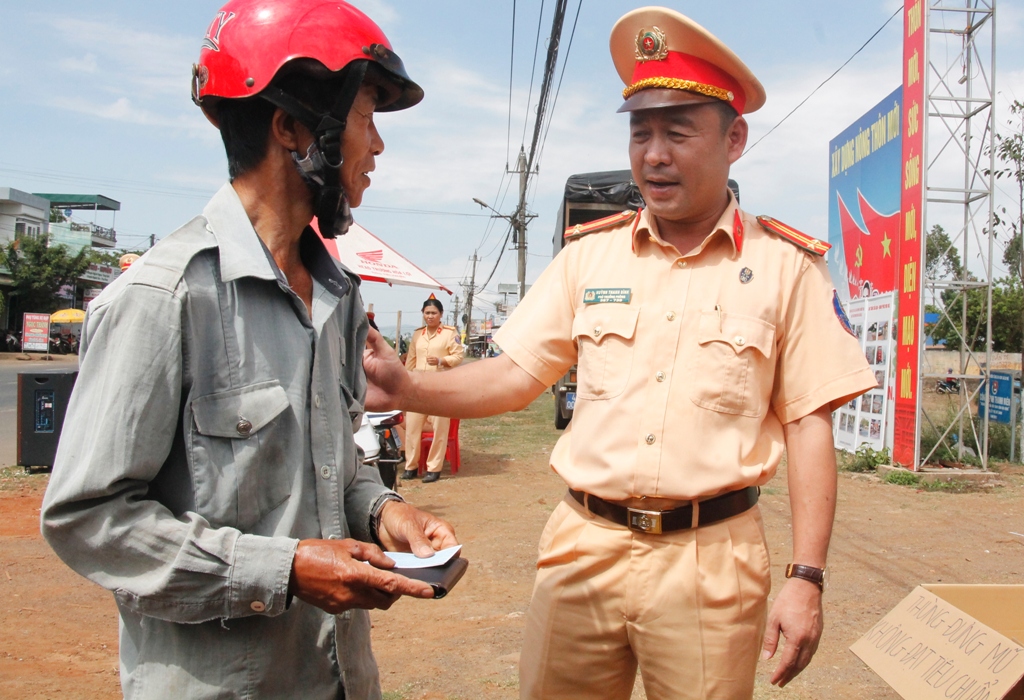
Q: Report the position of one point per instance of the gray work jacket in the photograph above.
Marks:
(210, 429)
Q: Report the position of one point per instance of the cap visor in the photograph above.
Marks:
(655, 98)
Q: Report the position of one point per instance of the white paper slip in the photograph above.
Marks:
(407, 560)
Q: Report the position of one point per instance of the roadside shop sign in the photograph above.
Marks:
(35, 333)
(996, 398)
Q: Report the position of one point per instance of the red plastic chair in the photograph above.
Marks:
(452, 453)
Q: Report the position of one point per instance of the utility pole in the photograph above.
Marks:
(469, 303)
(519, 221)
(455, 314)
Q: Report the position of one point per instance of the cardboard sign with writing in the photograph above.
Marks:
(949, 641)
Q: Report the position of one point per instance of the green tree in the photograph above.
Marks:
(40, 270)
(942, 257)
(1007, 308)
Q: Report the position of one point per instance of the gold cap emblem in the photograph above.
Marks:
(651, 45)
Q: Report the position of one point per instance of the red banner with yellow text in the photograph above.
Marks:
(910, 272)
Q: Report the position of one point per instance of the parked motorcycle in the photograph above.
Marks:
(10, 341)
(947, 386)
(57, 345)
(391, 455)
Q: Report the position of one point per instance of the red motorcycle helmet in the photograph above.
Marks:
(249, 41)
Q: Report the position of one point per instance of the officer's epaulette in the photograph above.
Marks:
(580, 230)
(450, 328)
(800, 240)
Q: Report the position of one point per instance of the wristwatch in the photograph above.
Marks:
(375, 512)
(807, 573)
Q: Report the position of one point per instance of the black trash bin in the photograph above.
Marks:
(42, 404)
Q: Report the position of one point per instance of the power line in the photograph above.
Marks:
(879, 31)
(533, 71)
(558, 90)
(511, 66)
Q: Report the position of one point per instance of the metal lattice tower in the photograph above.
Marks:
(959, 185)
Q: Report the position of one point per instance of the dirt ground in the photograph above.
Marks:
(60, 632)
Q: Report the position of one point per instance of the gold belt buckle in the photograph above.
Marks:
(648, 521)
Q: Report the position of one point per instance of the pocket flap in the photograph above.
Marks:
(238, 413)
(741, 332)
(601, 320)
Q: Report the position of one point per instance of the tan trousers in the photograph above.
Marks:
(688, 607)
(414, 424)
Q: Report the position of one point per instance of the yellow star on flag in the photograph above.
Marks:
(886, 242)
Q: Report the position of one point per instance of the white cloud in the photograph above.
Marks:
(124, 110)
(85, 64)
(138, 62)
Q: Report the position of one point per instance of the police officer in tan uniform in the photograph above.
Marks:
(434, 348)
(708, 342)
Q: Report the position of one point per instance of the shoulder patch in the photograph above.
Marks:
(800, 240)
(580, 230)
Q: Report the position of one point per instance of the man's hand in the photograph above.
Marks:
(796, 613)
(433, 361)
(338, 575)
(404, 528)
(387, 379)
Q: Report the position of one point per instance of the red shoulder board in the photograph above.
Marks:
(580, 230)
(800, 240)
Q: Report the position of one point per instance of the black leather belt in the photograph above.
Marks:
(656, 522)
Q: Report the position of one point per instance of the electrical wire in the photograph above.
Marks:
(554, 101)
(533, 72)
(511, 66)
(829, 78)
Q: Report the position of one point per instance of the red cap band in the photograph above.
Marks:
(685, 72)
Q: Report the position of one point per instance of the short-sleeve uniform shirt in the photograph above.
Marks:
(688, 365)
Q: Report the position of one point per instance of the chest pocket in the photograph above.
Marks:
(732, 368)
(237, 453)
(604, 336)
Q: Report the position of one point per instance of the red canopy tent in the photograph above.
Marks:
(375, 261)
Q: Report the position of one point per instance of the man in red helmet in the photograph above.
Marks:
(207, 472)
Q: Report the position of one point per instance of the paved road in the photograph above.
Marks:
(9, 371)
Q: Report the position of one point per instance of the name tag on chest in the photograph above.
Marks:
(607, 295)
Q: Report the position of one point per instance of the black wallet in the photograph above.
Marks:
(441, 578)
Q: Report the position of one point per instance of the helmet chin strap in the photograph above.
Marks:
(320, 168)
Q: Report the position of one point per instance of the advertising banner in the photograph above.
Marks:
(864, 201)
(35, 333)
(864, 420)
(998, 394)
(910, 270)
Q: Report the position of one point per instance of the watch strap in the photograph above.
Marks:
(807, 573)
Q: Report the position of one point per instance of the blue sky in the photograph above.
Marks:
(96, 100)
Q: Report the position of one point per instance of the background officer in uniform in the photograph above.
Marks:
(708, 342)
(435, 348)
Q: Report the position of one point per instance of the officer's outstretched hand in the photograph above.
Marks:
(796, 613)
(338, 575)
(386, 377)
(405, 528)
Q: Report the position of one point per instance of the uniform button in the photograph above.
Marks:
(325, 472)
(597, 332)
(333, 537)
(244, 427)
(257, 606)
(316, 400)
(671, 315)
(740, 340)
(681, 263)
(650, 439)
(660, 376)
